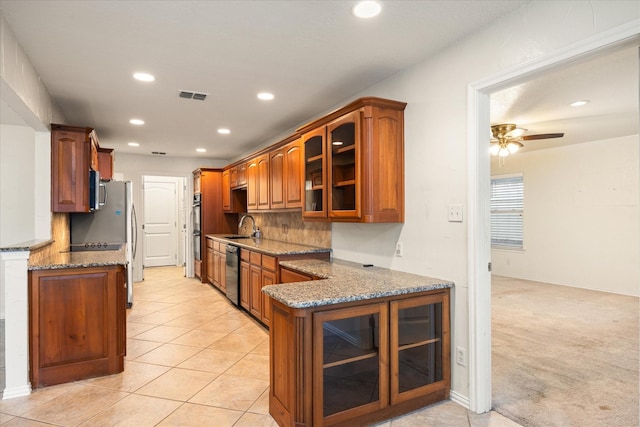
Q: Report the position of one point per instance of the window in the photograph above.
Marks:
(507, 204)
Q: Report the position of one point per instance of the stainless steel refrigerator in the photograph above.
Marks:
(110, 227)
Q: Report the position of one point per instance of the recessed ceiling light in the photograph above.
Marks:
(337, 142)
(367, 9)
(137, 122)
(265, 96)
(144, 77)
(133, 144)
(201, 150)
(579, 103)
(224, 131)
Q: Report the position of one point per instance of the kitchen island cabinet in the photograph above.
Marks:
(359, 346)
(77, 317)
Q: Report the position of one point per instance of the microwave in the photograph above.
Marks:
(94, 191)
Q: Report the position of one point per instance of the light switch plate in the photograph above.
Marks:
(455, 213)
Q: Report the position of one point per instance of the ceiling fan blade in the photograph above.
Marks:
(542, 136)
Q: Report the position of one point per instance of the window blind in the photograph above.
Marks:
(507, 205)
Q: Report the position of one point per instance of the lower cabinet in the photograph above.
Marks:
(77, 323)
(216, 264)
(357, 363)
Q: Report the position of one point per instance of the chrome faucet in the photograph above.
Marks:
(241, 223)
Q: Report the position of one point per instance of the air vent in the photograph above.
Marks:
(193, 95)
(159, 153)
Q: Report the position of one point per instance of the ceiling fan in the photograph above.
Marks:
(506, 138)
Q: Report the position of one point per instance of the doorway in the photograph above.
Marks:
(479, 248)
(164, 221)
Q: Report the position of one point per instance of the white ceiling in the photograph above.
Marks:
(311, 54)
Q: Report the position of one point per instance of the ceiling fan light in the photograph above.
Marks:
(503, 152)
(517, 132)
(514, 147)
(494, 148)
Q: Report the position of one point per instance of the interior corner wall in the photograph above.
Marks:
(581, 219)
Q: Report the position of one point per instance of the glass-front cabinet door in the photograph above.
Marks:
(419, 346)
(315, 196)
(350, 371)
(344, 166)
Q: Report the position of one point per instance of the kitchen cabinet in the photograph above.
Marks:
(285, 181)
(258, 183)
(234, 197)
(245, 270)
(238, 176)
(105, 163)
(71, 159)
(212, 218)
(252, 185)
(226, 190)
(356, 363)
(216, 264)
(277, 186)
(354, 163)
(77, 323)
(291, 276)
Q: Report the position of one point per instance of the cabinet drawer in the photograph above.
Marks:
(256, 258)
(245, 255)
(210, 243)
(269, 262)
(216, 246)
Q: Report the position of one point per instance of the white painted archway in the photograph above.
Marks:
(478, 162)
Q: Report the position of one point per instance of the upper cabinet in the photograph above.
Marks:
(354, 163)
(71, 160)
(292, 174)
(105, 163)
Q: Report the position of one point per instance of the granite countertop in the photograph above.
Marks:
(29, 245)
(81, 259)
(344, 281)
(268, 246)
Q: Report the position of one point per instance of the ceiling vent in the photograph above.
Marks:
(159, 153)
(193, 95)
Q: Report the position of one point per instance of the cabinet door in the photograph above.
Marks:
(222, 268)
(244, 284)
(252, 185)
(419, 346)
(242, 175)
(293, 174)
(343, 142)
(350, 370)
(276, 188)
(226, 191)
(255, 294)
(315, 196)
(210, 265)
(263, 182)
(105, 163)
(268, 278)
(70, 161)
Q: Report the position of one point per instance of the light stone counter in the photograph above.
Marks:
(268, 246)
(345, 281)
(81, 259)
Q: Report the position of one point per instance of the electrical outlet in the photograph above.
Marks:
(455, 213)
(399, 251)
(461, 356)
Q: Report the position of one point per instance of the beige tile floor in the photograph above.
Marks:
(193, 359)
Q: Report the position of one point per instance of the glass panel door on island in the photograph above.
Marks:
(350, 370)
(417, 346)
(314, 174)
(344, 166)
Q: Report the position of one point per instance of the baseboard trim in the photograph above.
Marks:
(459, 399)
(10, 393)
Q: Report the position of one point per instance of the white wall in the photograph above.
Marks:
(436, 142)
(132, 167)
(581, 216)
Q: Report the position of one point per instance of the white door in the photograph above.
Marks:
(160, 221)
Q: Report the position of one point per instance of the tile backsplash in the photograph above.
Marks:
(289, 227)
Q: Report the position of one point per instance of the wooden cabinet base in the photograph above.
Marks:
(77, 324)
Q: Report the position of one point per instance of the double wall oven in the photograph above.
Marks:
(197, 235)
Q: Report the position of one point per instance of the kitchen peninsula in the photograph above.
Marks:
(77, 316)
(355, 343)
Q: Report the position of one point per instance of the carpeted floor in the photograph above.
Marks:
(564, 356)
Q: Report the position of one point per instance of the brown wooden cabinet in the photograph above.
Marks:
(77, 323)
(293, 160)
(105, 163)
(354, 163)
(216, 264)
(360, 362)
(252, 185)
(209, 257)
(277, 189)
(245, 279)
(212, 217)
(71, 159)
(263, 182)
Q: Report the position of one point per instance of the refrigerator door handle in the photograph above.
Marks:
(134, 225)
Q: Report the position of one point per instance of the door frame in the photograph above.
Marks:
(478, 193)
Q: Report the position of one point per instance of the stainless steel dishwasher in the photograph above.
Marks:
(233, 273)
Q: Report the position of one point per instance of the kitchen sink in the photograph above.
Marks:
(236, 237)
